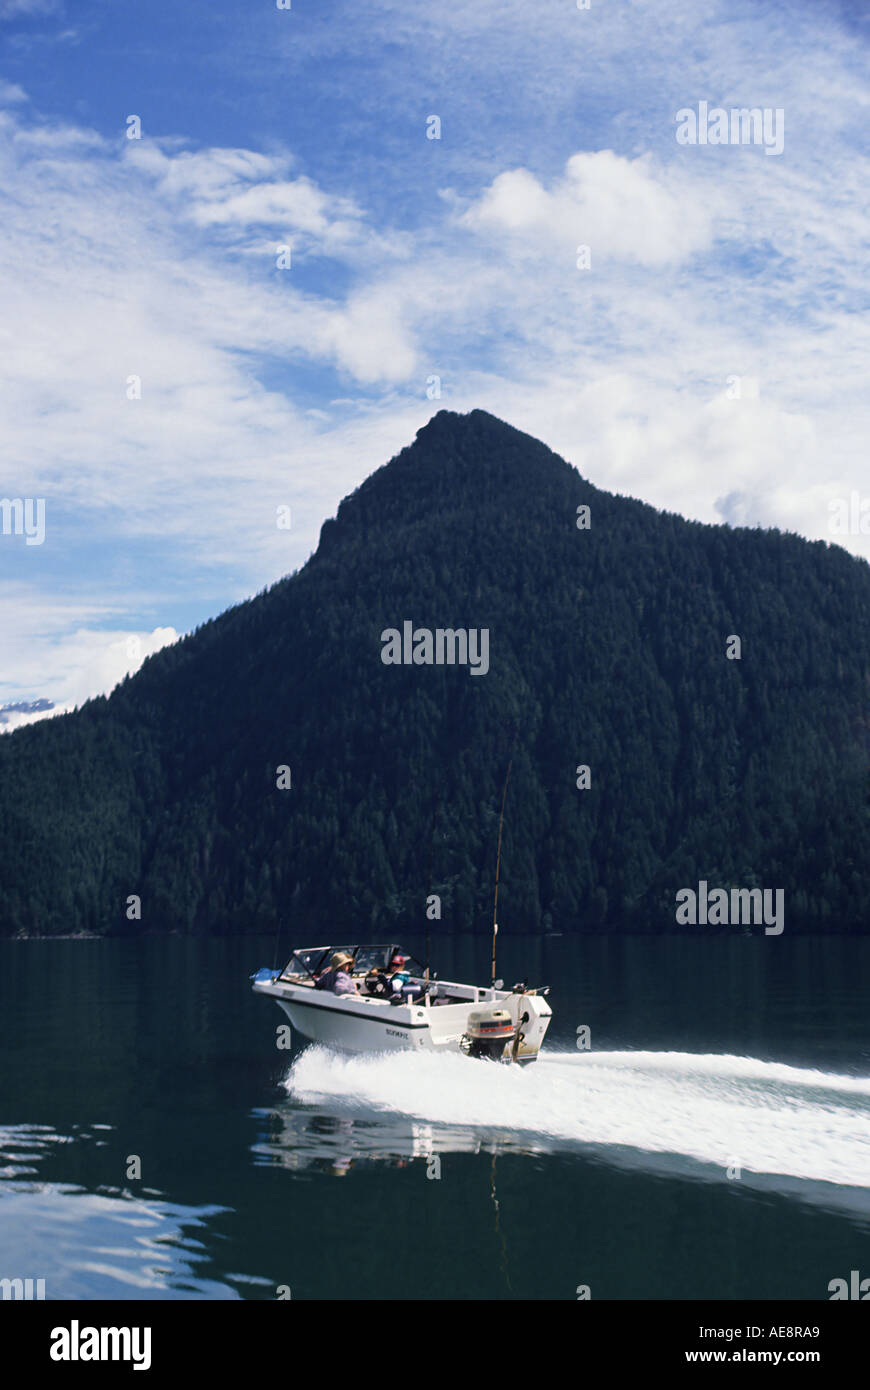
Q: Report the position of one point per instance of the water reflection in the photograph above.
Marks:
(108, 1242)
(331, 1141)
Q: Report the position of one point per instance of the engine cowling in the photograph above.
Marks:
(487, 1033)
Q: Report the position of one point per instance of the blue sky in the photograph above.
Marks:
(712, 359)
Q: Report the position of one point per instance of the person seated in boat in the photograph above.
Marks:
(399, 980)
(337, 978)
(377, 983)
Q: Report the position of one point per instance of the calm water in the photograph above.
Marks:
(608, 1168)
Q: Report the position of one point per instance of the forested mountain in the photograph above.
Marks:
(607, 648)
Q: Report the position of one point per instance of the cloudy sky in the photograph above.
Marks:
(171, 377)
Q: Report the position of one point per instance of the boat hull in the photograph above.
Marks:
(355, 1023)
(352, 1032)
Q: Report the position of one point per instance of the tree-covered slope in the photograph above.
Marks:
(607, 648)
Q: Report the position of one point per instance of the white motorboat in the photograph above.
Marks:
(425, 1014)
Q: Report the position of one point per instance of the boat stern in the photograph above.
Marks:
(531, 1014)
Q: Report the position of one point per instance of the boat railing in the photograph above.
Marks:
(306, 963)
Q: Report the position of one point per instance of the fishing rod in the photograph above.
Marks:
(429, 880)
(277, 940)
(497, 863)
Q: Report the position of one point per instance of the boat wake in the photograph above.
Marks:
(672, 1111)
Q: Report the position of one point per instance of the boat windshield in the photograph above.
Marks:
(379, 958)
(308, 962)
(372, 958)
(311, 960)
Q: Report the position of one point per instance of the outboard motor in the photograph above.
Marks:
(487, 1033)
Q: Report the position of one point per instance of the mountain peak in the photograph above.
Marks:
(475, 423)
(444, 419)
(457, 464)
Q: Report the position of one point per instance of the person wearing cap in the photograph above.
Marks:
(398, 979)
(338, 978)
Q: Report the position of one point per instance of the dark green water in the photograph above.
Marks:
(606, 1168)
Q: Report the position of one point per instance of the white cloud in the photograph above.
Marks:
(623, 209)
(237, 190)
(102, 282)
(54, 658)
(12, 9)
